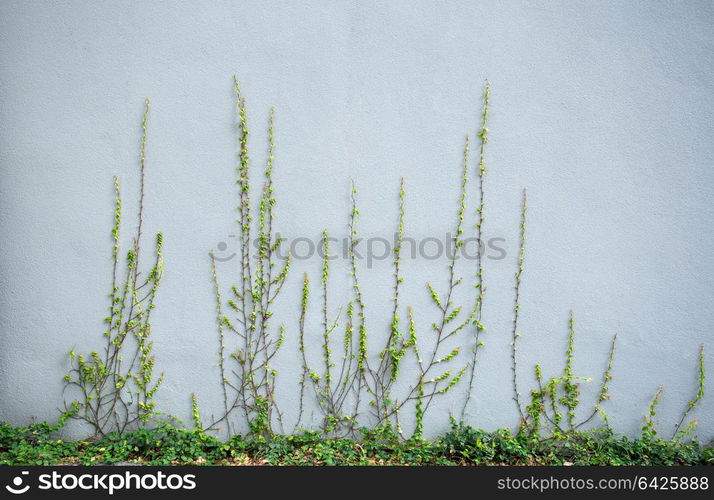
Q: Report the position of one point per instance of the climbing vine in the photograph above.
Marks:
(334, 386)
(556, 401)
(515, 334)
(249, 388)
(359, 381)
(116, 385)
(480, 219)
(680, 431)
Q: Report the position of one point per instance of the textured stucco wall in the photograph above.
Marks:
(602, 109)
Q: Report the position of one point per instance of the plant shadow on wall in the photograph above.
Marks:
(359, 385)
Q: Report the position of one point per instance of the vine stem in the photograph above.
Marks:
(515, 335)
(697, 397)
(480, 290)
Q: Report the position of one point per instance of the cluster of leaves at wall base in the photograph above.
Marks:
(39, 444)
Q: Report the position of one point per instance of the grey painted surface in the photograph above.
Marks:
(602, 109)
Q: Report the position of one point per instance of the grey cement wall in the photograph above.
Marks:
(602, 109)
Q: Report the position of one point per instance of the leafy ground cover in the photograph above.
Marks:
(37, 444)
